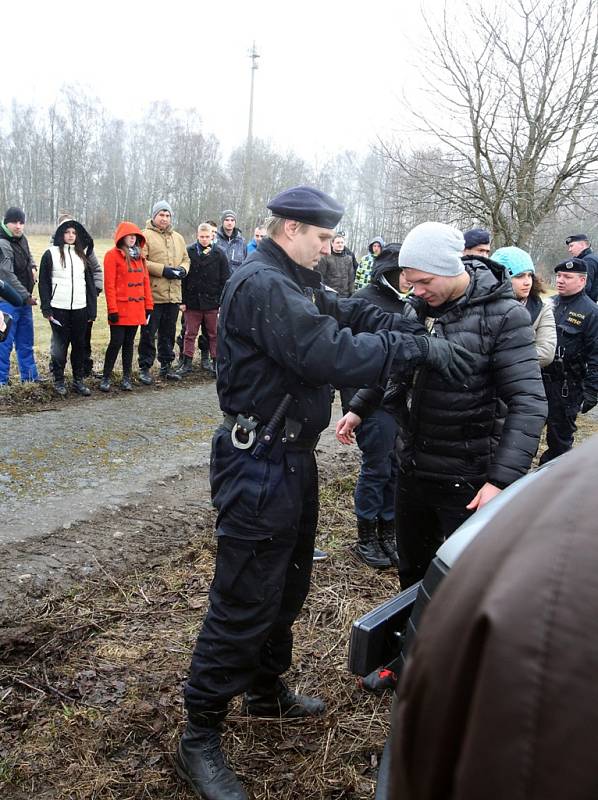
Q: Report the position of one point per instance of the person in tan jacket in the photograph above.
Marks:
(165, 254)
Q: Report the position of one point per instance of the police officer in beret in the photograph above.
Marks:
(578, 246)
(571, 381)
(477, 242)
(283, 340)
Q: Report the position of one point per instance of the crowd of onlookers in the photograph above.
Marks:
(149, 277)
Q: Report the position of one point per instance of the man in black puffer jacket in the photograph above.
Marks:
(464, 444)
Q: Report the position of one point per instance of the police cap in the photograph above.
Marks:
(475, 237)
(577, 237)
(572, 265)
(308, 205)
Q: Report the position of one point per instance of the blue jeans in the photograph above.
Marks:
(375, 488)
(21, 337)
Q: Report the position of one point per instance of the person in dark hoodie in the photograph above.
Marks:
(363, 273)
(17, 270)
(499, 699)
(376, 436)
(68, 299)
(464, 444)
(202, 288)
(230, 240)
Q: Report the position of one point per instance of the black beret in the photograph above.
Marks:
(475, 237)
(577, 237)
(308, 205)
(14, 214)
(572, 265)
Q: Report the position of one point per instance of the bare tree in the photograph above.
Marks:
(514, 129)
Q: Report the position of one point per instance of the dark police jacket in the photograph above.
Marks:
(576, 319)
(281, 332)
(591, 262)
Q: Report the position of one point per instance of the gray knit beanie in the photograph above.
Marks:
(228, 213)
(161, 205)
(433, 247)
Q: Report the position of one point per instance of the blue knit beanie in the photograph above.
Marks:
(514, 259)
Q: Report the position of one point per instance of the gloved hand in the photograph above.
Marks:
(453, 362)
(173, 273)
(113, 318)
(588, 402)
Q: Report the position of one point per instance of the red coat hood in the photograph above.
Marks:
(127, 229)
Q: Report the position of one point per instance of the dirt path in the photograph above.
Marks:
(107, 483)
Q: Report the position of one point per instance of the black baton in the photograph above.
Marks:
(268, 432)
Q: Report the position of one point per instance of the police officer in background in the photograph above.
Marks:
(283, 338)
(571, 381)
(578, 246)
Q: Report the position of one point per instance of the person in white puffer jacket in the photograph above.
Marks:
(68, 300)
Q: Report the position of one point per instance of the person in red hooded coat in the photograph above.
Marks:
(128, 298)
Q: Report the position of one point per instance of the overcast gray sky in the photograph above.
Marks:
(330, 77)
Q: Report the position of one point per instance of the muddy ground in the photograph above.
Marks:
(106, 554)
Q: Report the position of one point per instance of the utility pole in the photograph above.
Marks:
(246, 197)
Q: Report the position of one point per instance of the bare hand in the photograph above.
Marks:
(345, 427)
(183, 307)
(486, 493)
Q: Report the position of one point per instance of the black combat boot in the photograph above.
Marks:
(105, 384)
(368, 547)
(388, 540)
(279, 701)
(213, 367)
(200, 761)
(126, 384)
(185, 367)
(206, 362)
(167, 373)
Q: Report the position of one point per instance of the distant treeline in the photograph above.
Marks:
(74, 156)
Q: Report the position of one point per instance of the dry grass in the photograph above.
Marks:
(91, 697)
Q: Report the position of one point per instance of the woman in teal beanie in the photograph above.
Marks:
(528, 288)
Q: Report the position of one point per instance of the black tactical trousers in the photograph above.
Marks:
(427, 514)
(163, 322)
(564, 401)
(258, 590)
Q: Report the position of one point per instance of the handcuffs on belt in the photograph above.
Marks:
(243, 432)
(246, 436)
